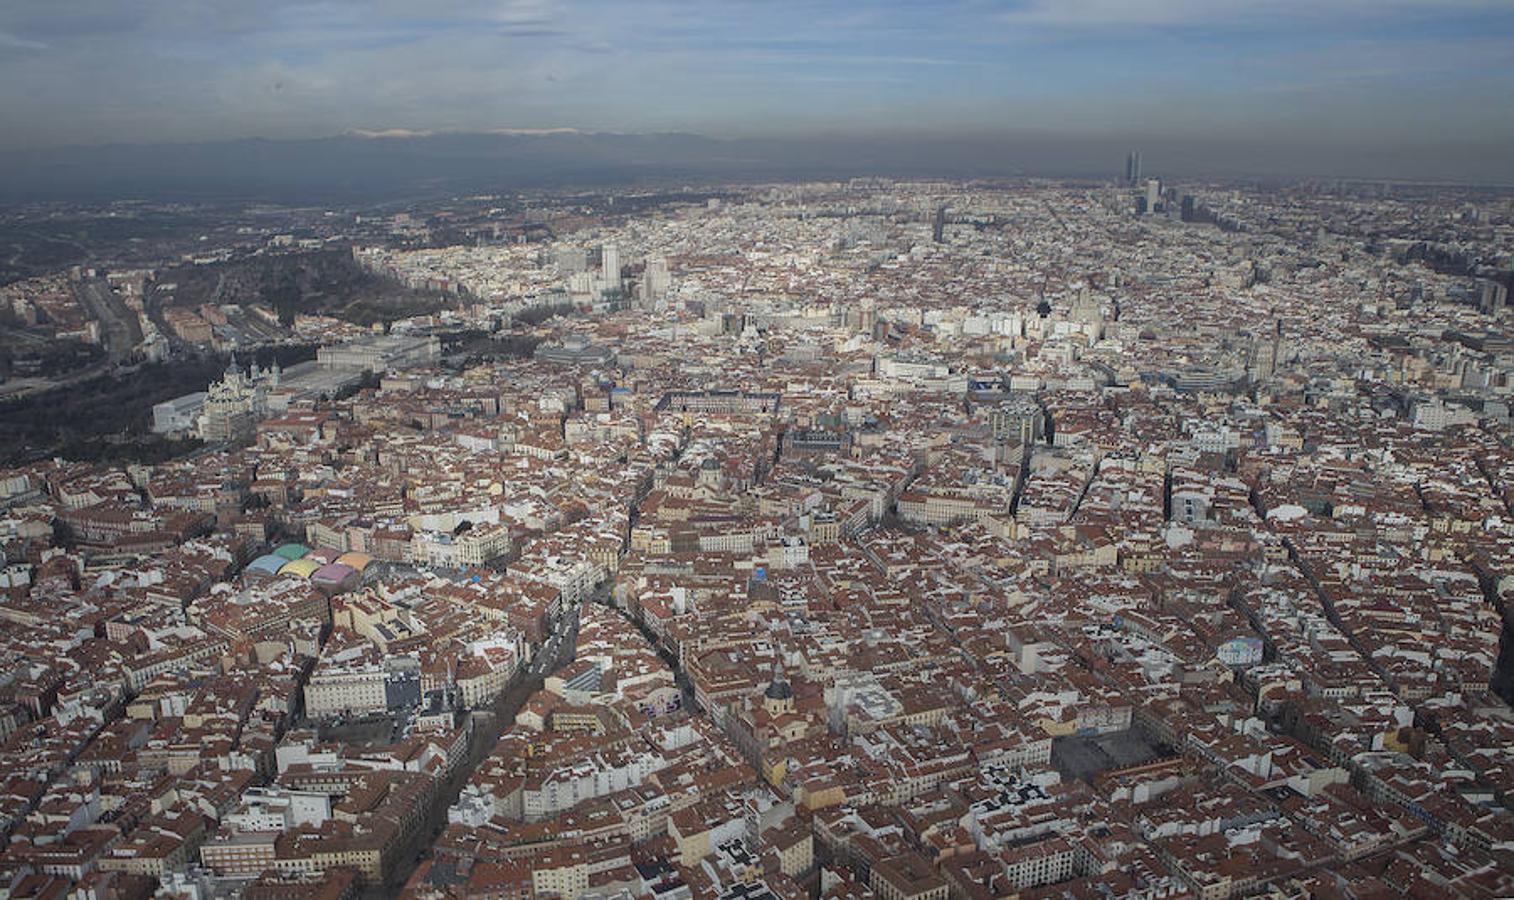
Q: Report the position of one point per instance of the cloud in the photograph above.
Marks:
(1425, 60)
(203, 69)
(526, 12)
(1083, 14)
(9, 41)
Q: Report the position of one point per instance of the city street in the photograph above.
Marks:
(487, 725)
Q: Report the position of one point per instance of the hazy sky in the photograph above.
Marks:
(1408, 71)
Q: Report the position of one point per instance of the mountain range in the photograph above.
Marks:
(396, 164)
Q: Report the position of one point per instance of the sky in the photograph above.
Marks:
(1337, 72)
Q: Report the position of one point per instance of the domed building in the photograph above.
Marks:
(779, 697)
(235, 404)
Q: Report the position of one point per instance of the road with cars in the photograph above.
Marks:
(488, 724)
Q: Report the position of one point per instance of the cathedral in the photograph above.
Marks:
(235, 404)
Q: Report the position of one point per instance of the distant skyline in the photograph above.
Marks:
(1365, 74)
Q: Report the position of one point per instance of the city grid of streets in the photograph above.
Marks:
(869, 538)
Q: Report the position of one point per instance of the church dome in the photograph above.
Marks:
(779, 688)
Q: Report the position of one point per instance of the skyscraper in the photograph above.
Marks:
(1494, 296)
(1133, 168)
(867, 315)
(609, 265)
(657, 280)
(1153, 194)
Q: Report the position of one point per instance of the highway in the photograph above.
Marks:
(120, 331)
